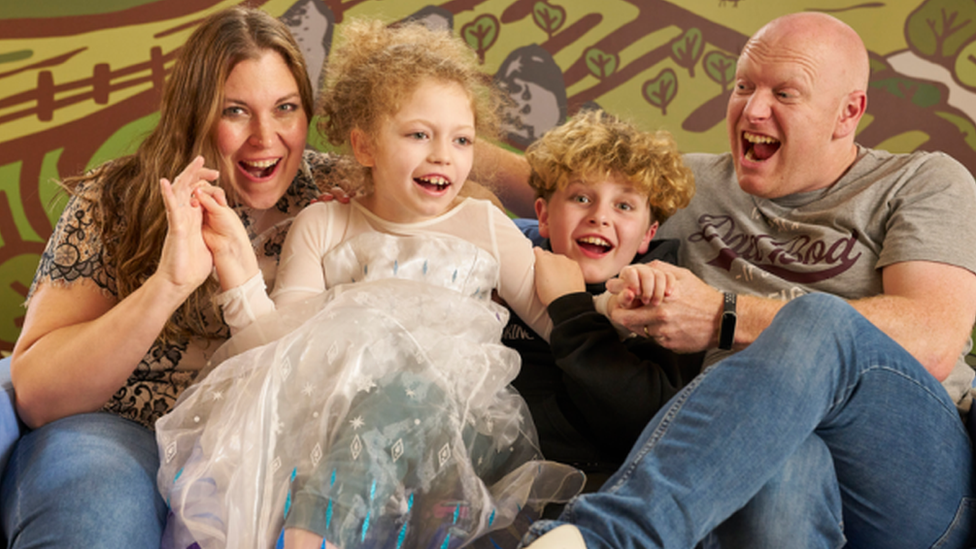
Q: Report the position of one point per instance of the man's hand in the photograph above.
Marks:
(556, 276)
(682, 314)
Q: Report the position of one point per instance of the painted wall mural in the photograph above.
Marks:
(80, 81)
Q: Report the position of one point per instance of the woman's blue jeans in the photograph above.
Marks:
(87, 480)
(822, 411)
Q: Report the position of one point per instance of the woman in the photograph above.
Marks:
(115, 322)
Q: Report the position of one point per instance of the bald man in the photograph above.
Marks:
(826, 283)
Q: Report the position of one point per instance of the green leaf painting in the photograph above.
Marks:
(720, 67)
(660, 90)
(548, 17)
(687, 49)
(481, 34)
(600, 64)
(940, 28)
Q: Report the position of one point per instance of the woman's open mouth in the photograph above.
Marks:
(259, 169)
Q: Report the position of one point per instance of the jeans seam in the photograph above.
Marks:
(659, 431)
(963, 512)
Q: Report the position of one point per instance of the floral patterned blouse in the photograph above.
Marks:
(75, 252)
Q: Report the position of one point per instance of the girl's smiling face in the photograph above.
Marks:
(421, 155)
(262, 130)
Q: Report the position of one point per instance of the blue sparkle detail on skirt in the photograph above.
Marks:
(457, 512)
(294, 473)
(372, 495)
(328, 510)
(403, 529)
(177, 477)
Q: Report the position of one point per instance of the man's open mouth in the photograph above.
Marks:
(759, 148)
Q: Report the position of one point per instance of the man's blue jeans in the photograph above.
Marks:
(87, 480)
(821, 380)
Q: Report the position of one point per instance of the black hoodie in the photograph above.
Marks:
(591, 394)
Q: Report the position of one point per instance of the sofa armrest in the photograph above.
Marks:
(10, 426)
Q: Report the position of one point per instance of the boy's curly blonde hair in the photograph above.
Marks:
(377, 67)
(594, 145)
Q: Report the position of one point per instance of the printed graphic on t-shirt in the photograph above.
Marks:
(798, 258)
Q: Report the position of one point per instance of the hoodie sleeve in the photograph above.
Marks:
(617, 385)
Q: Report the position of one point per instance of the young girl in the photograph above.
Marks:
(382, 417)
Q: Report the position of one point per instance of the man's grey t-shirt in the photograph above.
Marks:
(888, 208)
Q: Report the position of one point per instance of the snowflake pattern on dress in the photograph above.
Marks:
(397, 389)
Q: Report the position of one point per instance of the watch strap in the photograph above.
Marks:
(726, 330)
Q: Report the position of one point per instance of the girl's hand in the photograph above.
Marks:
(223, 230)
(226, 238)
(641, 284)
(185, 260)
(556, 276)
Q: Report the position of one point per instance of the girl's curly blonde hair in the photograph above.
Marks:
(377, 67)
(594, 145)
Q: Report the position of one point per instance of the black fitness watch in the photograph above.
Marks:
(726, 330)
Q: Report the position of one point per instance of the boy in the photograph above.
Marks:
(603, 188)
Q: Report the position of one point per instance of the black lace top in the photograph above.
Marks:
(75, 252)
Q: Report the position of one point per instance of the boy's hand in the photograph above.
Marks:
(641, 284)
(556, 276)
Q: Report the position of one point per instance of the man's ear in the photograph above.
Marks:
(362, 149)
(648, 235)
(542, 214)
(854, 107)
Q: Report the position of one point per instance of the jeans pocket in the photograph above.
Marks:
(961, 533)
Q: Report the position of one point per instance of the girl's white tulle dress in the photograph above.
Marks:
(377, 414)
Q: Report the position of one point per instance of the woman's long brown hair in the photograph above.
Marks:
(132, 217)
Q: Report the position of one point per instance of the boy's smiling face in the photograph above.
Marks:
(601, 224)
